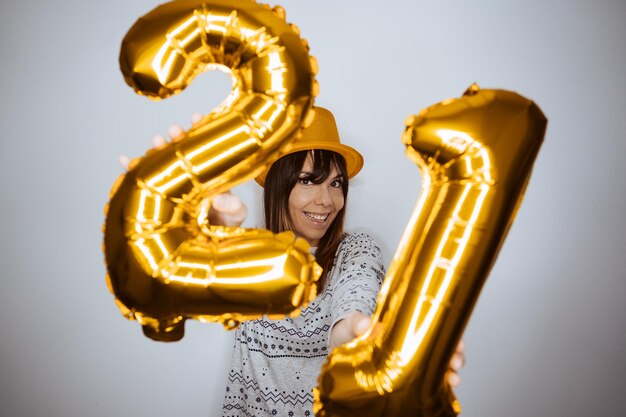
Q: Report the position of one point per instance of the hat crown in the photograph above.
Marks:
(322, 129)
(323, 134)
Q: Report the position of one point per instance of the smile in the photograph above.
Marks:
(320, 218)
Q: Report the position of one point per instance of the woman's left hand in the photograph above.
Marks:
(346, 329)
(355, 324)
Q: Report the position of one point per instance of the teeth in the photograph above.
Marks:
(318, 217)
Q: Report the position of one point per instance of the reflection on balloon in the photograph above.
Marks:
(475, 156)
(165, 262)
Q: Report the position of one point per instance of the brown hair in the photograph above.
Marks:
(280, 180)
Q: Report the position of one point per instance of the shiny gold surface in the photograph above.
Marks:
(166, 264)
(475, 156)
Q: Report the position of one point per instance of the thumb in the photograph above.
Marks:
(361, 324)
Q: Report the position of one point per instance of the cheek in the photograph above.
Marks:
(338, 201)
(292, 209)
(295, 200)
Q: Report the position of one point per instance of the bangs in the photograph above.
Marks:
(323, 163)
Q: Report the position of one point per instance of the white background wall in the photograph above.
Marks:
(547, 337)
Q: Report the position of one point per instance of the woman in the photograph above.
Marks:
(276, 362)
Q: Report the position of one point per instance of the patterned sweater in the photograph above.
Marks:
(276, 362)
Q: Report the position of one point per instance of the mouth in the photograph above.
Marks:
(318, 218)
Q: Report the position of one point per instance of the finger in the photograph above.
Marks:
(457, 361)
(159, 142)
(461, 346)
(175, 132)
(123, 160)
(453, 379)
(195, 118)
(228, 203)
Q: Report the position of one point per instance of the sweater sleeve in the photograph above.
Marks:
(361, 275)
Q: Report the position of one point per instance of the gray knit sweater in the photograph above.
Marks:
(276, 362)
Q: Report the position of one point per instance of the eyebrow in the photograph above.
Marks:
(304, 174)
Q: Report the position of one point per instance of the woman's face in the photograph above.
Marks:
(313, 207)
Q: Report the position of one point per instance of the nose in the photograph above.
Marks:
(322, 197)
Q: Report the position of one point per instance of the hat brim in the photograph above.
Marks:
(354, 160)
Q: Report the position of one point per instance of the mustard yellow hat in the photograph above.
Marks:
(323, 134)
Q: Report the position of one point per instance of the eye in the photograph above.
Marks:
(305, 181)
(336, 183)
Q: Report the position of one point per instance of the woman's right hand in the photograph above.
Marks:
(227, 208)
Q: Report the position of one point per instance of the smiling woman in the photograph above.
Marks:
(276, 363)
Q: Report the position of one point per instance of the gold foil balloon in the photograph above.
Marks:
(475, 155)
(165, 262)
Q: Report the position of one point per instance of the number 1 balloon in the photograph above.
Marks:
(475, 156)
(166, 264)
